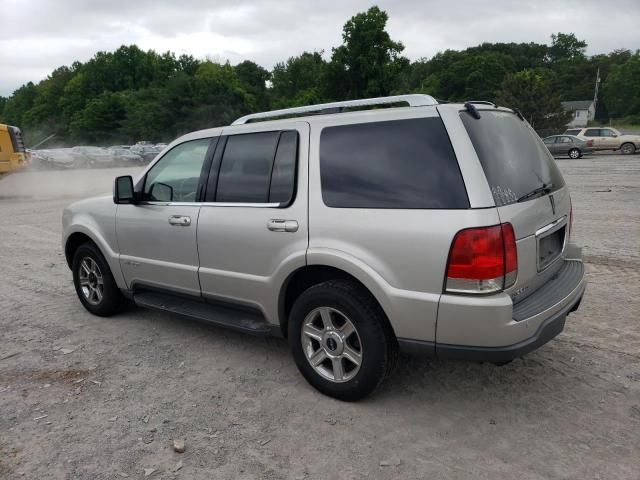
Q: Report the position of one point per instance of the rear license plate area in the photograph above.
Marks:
(550, 247)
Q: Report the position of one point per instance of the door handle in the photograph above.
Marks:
(179, 220)
(278, 225)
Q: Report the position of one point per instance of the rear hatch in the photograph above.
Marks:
(528, 190)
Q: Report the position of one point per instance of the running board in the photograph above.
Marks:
(240, 319)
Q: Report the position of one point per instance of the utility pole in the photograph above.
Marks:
(595, 94)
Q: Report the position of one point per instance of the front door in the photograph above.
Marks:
(252, 230)
(157, 235)
(609, 139)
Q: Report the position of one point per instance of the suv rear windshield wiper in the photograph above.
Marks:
(543, 189)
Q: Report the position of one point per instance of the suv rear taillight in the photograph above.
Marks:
(589, 143)
(482, 260)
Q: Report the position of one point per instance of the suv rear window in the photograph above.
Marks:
(514, 159)
(400, 164)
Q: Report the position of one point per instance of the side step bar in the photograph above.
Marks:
(240, 319)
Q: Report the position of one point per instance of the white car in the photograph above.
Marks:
(607, 139)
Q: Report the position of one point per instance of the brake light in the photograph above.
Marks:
(482, 260)
(589, 143)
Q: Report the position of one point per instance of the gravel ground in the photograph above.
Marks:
(94, 398)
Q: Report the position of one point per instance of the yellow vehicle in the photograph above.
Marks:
(12, 152)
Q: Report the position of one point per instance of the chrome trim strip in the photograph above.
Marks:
(213, 204)
(549, 229)
(555, 223)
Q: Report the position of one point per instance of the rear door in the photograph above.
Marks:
(594, 134)
(517, 165)
(253, 229)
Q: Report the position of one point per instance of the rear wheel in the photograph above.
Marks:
(95, 285)
(575, 153)
(341, 340)
(628, 148)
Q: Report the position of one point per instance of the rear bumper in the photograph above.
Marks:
(493, 329)
(547, 331)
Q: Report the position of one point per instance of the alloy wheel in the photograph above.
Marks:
(627, 148)
(91, 281)
(331, 344)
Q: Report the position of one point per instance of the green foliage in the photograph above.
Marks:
(100, 120)
(622, 88)
(565, 46)
(298, 80)
(530, 91)
(368, 61)
(3, 103)
(130, 94)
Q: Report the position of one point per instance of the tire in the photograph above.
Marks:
(344, 302)
(108, 300)
(575, 153)
(628, 148)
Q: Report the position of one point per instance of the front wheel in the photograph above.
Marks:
(95, 285)
(341, 340)
(574, 153)
(628, 148)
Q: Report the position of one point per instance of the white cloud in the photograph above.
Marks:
(40, 35)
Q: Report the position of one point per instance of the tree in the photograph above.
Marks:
(254, 80)
(565, 46)
(3, 102)
(299, 80)
(100, 120)
(530, 91)
(622, 88)
(218, 96)
(368, 61)
(19, 103)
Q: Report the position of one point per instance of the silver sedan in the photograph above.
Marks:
(568, 145)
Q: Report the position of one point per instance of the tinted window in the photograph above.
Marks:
(606, 133)
(283, 175)
(177, 174)
(592, 132)
(394, 164)
(550, 140)
(573, 132)
(513, 158)
(246, 168)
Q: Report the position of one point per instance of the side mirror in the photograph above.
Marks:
(161, 192)
(123, 190)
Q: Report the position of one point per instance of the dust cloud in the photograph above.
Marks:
(58, 184)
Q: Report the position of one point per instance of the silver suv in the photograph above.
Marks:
(352, 231)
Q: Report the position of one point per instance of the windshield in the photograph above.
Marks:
(514, 159)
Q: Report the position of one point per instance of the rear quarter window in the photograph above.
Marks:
(401, 164)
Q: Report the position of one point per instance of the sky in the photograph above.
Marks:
(37, 36)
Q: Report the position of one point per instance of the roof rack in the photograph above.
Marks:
(482, 102)
(414, 100)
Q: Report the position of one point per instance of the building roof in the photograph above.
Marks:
(577, 105)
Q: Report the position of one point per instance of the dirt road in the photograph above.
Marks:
(92, 398)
